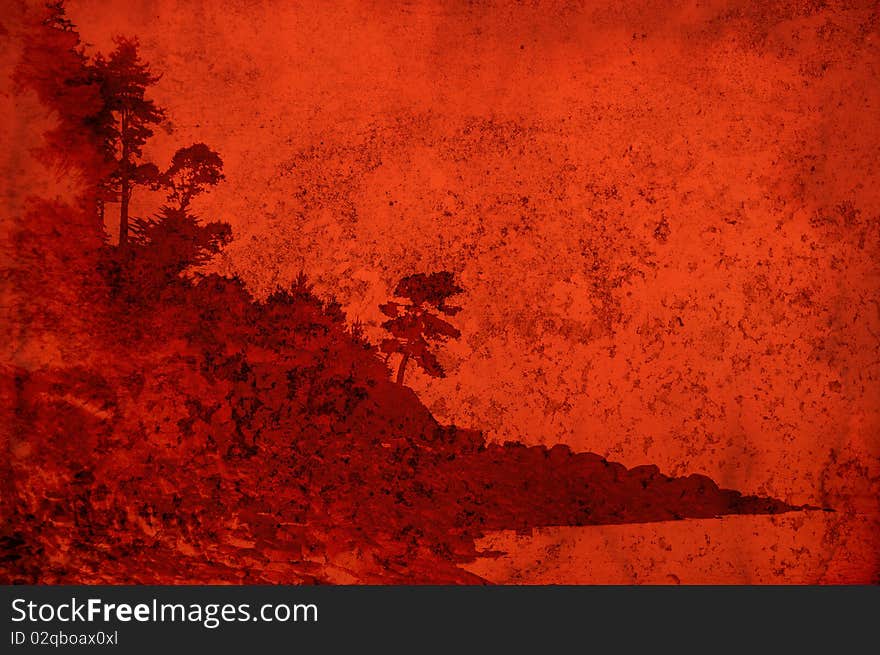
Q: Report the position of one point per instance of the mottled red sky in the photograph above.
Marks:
(666, 215)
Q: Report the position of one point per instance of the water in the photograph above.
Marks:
(798, 548)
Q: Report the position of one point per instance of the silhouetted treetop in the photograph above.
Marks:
(124, 79)
(431, 288)
(126, 122)
(412, 324)
(193, 169)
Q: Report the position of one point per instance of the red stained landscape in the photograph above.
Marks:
(440, 292)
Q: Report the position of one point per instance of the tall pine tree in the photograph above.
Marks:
(126, 123)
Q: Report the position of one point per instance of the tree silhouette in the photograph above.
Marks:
(175, 238)
(413, 325)
(126, 123)
(192, 171)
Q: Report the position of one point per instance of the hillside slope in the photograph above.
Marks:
(202, 436)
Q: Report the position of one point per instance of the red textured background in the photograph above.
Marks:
(665, 216)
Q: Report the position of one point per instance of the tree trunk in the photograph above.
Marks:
(402, 369)
(126, 192)
(123, 214)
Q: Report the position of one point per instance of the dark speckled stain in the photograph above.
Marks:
(660, 220)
